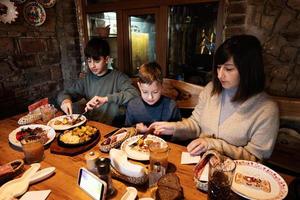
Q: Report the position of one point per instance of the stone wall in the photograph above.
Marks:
(36, 61)
(277, 24)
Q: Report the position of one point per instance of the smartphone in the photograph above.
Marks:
(91, 184)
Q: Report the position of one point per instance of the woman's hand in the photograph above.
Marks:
(163, 128)
(95, 102)
(141, 128)
(66, 106)
(197, 146)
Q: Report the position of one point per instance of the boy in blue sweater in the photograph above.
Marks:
(151, 106)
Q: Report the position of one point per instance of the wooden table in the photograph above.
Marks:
(63, 184)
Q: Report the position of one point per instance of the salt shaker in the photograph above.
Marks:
(91, 159)
(103, 166)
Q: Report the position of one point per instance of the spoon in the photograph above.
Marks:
(17, 187)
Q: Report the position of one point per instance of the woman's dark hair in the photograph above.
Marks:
(150, 72)
(95, 48)
(246, 52)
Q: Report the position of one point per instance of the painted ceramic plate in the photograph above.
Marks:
(47, 3)
(135, 153)
(279, 188)
(19, 1)
(34, 13)
(57, 122)
(50, 133)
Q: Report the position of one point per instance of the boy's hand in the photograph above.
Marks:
(163, 128)
(96, 102)
(141, 128)
(66, 106)
(197, 146)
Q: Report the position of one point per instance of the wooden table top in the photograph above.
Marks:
(63, 184)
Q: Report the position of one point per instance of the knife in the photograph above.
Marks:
(111, 133)
(80, 116)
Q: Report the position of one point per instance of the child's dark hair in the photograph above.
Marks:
(246, 52)
(95, 48)
(150, 72)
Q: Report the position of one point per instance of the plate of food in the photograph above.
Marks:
(66, 122)
(78, 136)
(46, 132)
(141, 150)
(255, 181)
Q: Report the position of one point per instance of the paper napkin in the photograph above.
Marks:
(186, 158)
(36, 195)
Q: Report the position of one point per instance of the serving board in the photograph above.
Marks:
(72, 151)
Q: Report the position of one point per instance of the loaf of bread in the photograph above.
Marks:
(169, 188)
(257, 183)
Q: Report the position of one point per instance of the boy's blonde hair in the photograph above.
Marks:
(150, 72)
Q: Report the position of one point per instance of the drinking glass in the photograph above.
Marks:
(158, 161)
(33, 148)
(48, 112)
(220, 179)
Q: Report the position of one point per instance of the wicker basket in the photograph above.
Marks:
(17, 168)
(130, 132)
(134, 180)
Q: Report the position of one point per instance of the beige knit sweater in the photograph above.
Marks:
(249, 133)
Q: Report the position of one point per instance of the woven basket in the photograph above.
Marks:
(134, 180)
(130, 132)
(17, 166)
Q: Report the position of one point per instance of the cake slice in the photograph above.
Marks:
(254, 182)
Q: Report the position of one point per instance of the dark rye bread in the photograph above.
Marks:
(169, 188)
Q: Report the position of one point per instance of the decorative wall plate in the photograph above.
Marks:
(19, 1)
(11, 12)
(34, 14)
(47, 3)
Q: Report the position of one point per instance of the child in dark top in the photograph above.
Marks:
(151, 106)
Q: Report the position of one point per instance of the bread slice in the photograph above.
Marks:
(166, 193)
(170, 180)
(169, 188)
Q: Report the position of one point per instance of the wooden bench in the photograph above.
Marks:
(287, 148)
(185, 94)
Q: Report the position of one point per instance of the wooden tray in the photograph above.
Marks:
(72, 151)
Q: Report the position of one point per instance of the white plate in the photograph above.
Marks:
(65, 127)
(279, 188)
(50, 133)
(138, 155)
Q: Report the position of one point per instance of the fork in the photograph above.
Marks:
(141, 138)
(79, 116)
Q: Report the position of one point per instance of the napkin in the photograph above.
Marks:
(36, 195)
(120, 162)
(186, 158)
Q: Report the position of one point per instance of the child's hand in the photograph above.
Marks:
(163, 128)
(95, 102)
(141, 128)
(66, 106)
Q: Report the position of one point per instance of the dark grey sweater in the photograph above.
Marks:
(114, 84)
